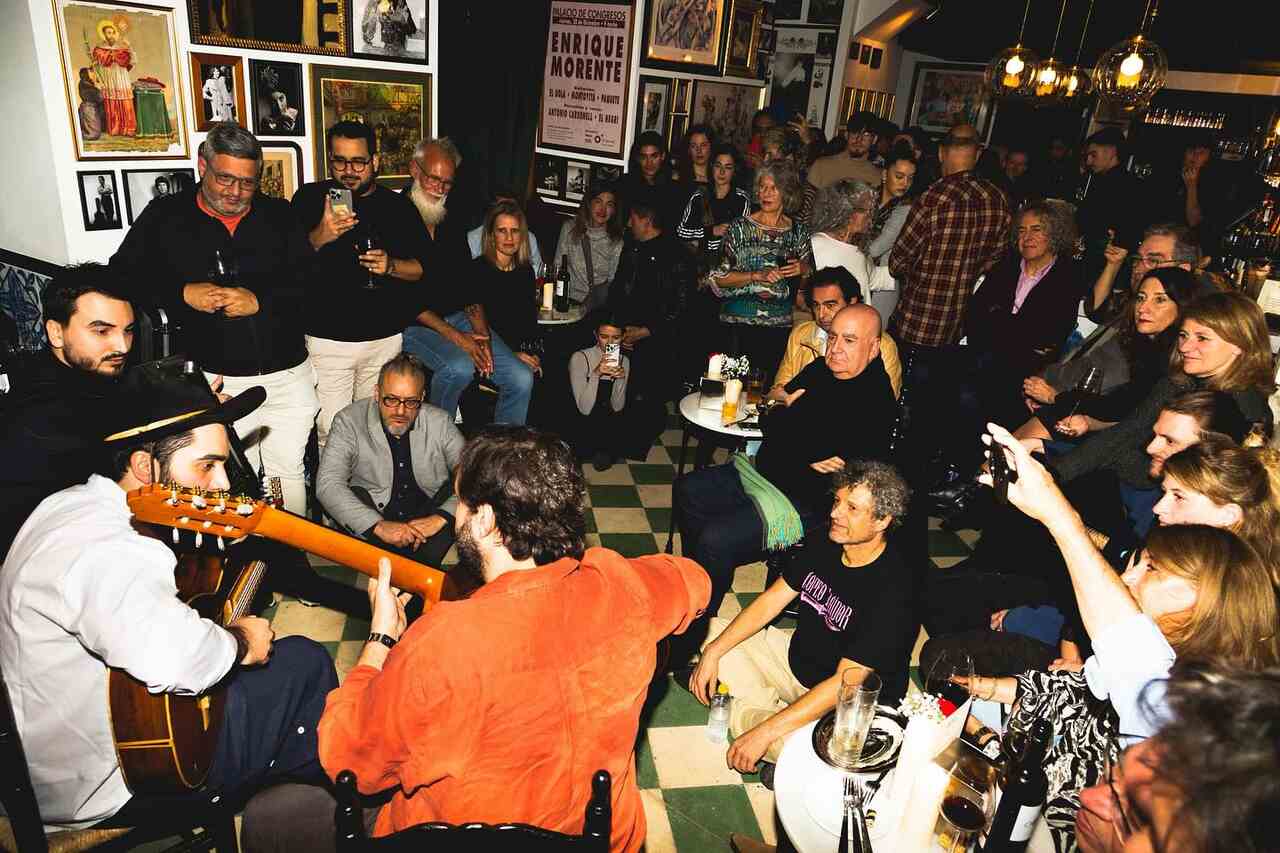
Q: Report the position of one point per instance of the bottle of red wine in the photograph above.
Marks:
(1025, 788)
(561, 300)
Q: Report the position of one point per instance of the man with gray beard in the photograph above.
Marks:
(452, 335)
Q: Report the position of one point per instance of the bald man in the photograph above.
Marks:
(838, 409)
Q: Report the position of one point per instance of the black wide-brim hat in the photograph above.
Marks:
(155, 403)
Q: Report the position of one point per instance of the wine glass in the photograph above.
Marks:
(941, 679)
(365, 242)
(223, 270)
(1088, 389)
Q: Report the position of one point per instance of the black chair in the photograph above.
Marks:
(446, 837)
(22, 829)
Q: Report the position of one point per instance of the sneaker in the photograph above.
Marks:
(602, 461)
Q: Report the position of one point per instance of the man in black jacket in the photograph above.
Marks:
(647, 298)
(245, 321)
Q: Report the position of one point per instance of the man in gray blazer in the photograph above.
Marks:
(386, 459)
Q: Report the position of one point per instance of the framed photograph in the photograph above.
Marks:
(549, 176)
(396, 104)
(877, 55)
(281, 169)
(120, 73)
(300, 26)
(789, 10)
(727, 109)
(827, 45)
(677, 126)
(388, 29)
(826, 12)
(577, 178)
(745, 19)
(143, 185)
(217, 90)
(655, 104)
(276, 88)
(685, 36)
(864, 57)
(603, 174)
(768, 40)
(99, 200)
(944, 93)
(680, 101)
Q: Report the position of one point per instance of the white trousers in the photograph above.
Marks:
(346, 371)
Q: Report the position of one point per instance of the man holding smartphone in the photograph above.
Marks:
(353, 329)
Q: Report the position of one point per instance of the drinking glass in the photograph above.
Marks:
(964, 813)
(365, 241)
(223, 270)
(755, 386)
(1088, 389)
(729, 408)
(941, 680)
(855, 709)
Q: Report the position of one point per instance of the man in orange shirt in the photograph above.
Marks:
(500, 707)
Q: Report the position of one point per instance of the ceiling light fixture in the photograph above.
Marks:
(1135, 69)
(1075, 85)
(1012, 71)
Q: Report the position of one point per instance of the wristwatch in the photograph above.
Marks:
(386, 639)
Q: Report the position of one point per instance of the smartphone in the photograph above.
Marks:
(613, 354)
(1001, 474)
(340, 200)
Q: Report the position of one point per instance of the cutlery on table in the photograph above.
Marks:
(846, 837)
(860, 817)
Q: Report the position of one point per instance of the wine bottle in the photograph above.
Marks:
(562, 286)
(1022, 800)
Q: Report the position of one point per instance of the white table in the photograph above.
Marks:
(804, 783)
(562, 318)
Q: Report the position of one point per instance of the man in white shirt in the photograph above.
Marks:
(82, 591)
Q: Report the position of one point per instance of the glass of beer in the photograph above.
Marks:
(732, 394)
(855, 709)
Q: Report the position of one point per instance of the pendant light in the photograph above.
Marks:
(1075, 85)
(1135, 69)
(1049, 72)
(1012, 72)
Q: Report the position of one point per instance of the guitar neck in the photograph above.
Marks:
(348, 551)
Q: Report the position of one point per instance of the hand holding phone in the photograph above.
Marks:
(340, 201)
(1001, 474)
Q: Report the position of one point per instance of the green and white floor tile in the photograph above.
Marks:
(691, 800)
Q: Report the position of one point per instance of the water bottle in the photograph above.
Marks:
(718, 718)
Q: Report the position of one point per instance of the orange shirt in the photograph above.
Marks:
(500, 707)
(229, 221)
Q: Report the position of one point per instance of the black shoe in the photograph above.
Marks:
(602, 460)
(766, 774)
(953, 499)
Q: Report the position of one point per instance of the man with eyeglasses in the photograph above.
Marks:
(352, 328)
(854, 162)
(386, 460)
(1163, 245)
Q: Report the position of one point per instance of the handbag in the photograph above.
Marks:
(596, 296)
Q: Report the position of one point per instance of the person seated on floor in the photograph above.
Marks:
(857, 609)
(839, 408)
(501, 706)
(648, 295)
(827, 291)
(387, 458)
(598, 379)
(85, 591)
(475, 237)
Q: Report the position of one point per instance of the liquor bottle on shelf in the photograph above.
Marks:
(1022, 798)
(562, 286)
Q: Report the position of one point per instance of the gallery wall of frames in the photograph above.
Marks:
(130, 89)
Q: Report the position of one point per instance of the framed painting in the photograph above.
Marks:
(826, 12)
(685, 36)
(577, 179)
(301, 26)
(281, 169)
(217, 90)
(677, 126)
(277, 98)
(393, 30)
(120, 70)
(745, 18)
(396, 104)
(99, 200)
(549, 176)
(727, 109)
(944, 93)
(142, 186)
(655, 104)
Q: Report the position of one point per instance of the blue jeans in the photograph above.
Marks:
(453, 370)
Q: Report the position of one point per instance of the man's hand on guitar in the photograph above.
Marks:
(254, 635)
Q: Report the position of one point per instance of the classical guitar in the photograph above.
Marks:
(165, 742)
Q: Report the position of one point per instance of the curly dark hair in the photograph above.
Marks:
(530, 480)
(890, 493)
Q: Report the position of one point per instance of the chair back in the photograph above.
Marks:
(16, 794)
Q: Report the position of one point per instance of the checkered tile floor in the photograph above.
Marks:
(691, 800)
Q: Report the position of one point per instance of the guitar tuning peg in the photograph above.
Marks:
(199, 539)
(175, 535)
(222, 546)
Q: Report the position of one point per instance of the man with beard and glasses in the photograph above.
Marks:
(387, 458)
(353, 329)
(545, 666)
(48, 439)
(452, 335)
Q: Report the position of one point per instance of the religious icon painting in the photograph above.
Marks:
(393, 30)
(99, 200)
(120, 70)
(217, 90)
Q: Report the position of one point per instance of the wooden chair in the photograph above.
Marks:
(446, 837)
(22, 829)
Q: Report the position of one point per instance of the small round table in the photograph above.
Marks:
(562, 318)
(799, 775)
(693, 419)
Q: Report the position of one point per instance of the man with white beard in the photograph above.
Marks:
(452, 336)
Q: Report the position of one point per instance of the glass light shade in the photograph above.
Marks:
(1131, 72)
(1047, 80)
(1073, 85)
(1012, 72)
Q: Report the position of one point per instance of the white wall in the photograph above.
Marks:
(34, 104)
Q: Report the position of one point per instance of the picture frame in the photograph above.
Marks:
(864, 55)
(99, 200)
(825, 12)
(654, 105)
(121, 78)
(605, 174)
(282, 171)
(941, 91)
(270, 25)
(276, 89)
(694, 46)
(798, 76)
(826, 46)
(549, 176)
(745, 24)
(768, 40)
(217, 90)
(789, 10)
(680, 101)
(727, 108)
(677, 126)
(577, 179)
(399, 34)
(142, 186)
(877, 56)
(397, 104)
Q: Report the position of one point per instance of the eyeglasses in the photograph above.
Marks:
(412, 404)
(224, 180)
(1152, 260)
(341, 164)
(433, 181)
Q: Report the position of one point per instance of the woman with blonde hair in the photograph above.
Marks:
(503, 281)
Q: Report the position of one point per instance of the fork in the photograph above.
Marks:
(859, 797)
(846, 836)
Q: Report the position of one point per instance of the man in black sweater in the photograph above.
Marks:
(362, 298)
(839, 408)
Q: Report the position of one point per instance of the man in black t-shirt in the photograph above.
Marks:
(857, 610)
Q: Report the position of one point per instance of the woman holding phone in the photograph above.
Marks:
(598, 378)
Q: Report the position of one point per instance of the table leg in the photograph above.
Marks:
(684, 448)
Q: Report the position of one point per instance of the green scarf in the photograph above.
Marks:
(782, 525)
